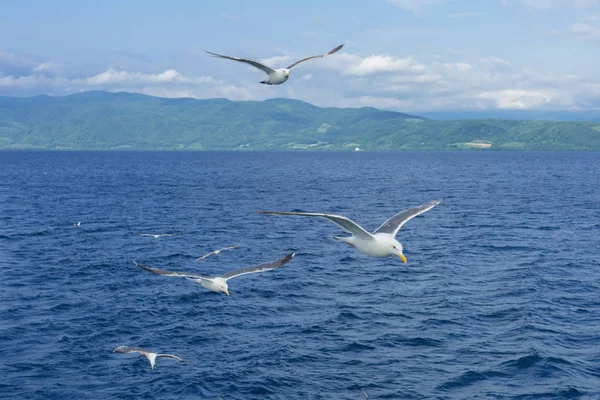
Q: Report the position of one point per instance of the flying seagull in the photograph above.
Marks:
(219, 283)
(382, 242)
(78, 223)
(150, 356)
(217, 252)
(279, 75)
(156, 236)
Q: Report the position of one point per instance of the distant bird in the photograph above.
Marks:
(77, 223)
(382, 242)
(275, 76)
(217, 252)
(156, 236)
(150, 356)
(219, 283)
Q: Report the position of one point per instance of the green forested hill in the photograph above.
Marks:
(101, 120)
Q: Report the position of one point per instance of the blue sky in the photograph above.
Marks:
(405, 55)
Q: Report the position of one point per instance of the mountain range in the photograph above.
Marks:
(99, 120)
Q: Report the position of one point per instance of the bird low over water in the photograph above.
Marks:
(382, 242)
(217, 252)
(279, 75)
(149, 355)
(219, 283)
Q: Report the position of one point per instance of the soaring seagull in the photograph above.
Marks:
(150, 356)
(279, 75)
(217, 252)
(219, 283)
(156, 236)
(382, 242)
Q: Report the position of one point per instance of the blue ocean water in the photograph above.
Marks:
(499, 299)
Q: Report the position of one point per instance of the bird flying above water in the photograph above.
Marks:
(156, 236)
(382, 242)
(275, 76)
(219, 283)
(149, 355)
(217, 252)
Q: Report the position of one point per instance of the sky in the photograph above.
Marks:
(403, 55)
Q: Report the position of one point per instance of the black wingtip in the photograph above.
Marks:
(289, 257)
(338, 48)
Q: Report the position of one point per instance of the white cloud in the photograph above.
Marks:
(48, 66)
(460, 67)
(307, 77)
(111, 77)
(586, 31)
(277, 61)
(518, 99)
(384, 63)
(542, 4)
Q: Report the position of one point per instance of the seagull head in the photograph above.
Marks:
(397, 250)
(286, 72)
(221, 285)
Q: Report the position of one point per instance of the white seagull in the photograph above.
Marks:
(382, 242)
(145, 353)
(279, 75)
(217, 252)
(156, 236)
(78, 223)
(219, 283)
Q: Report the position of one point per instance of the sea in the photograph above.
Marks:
(500, 298)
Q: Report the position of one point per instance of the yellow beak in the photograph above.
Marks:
(402, 257)
(227, 291)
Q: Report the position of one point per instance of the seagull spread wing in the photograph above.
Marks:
(170, 356)
(171, 273)
(319, 56)
(343, 222)
(254, 63)
(127, 349)
(259, 268)
(393, 225)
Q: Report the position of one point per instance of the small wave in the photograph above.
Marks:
(468, 378)
(356, 347)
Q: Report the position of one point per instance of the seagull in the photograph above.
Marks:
(78, 223)
(150, 356)
(382, 242)
(217, 252)
(156, 236)
(279, 75)
(219, 283)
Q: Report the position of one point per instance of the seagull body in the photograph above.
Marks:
(219, 283)
(274, 76)
(78, 223)
(150, 356)
(217, 252)
(382, 242)
(156, 236)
